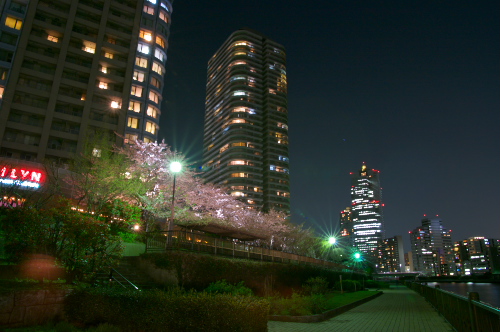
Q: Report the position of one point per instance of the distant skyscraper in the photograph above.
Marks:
(69, 69)
(366, 196)
(432, 248)
(391, 256)
(246, 122)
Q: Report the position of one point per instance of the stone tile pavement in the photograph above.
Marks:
(398, 309)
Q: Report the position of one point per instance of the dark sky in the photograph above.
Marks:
(409, 87)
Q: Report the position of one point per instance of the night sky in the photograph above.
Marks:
(409, 87)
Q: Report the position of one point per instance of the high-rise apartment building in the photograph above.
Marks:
(432, 248)
(246, 130)
(477, 255)
(71, 68)
(367, 217)
(391, 256)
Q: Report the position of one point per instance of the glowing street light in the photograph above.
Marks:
(332, 240)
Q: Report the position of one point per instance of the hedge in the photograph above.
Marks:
(198, 271)
(167, 311)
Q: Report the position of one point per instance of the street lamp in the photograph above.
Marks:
(332, 240)
(175, 167)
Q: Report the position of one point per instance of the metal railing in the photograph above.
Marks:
(160, 241)
(124, 283)
(464, 314)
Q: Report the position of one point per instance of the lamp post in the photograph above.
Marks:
(175, 167)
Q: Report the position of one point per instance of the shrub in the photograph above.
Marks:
(167, 311)
(349, 285)
(317, 285)
(298, 305)
(223, 287)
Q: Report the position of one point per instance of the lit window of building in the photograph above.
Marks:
(141, 62)
(152, 112)
(103, 69)
(114, 104)
(134, 106)
(148, 10)
(103, 85)
(160, 41)
(163, 16)
(53, 39)
(14, 23)
(138, 76)
(159, 55)
(154, 97)
(157, 68)
(108, 55)
(133, 123)
(146, 35)
(143, 48)
(150, 127)
(136, 91)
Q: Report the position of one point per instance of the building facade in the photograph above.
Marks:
(346, 227)
(366, 205)
(391, 257)
(432, 249)
(71, 69)
(477, 255)
(245, 145)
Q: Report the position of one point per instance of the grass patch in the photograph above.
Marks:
(299, 305)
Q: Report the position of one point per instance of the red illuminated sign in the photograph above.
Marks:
(22, 176)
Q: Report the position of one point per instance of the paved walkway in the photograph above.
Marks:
(398, 309)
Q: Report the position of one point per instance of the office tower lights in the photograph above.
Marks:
(69, 69)
(246, 122)
(367, 217)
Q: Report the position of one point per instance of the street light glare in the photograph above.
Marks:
(357, 255)
(332, 240)
(175, 166)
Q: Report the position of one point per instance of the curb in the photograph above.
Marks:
(324, 316)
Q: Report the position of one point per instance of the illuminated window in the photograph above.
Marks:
(147, 140)
(148, 9)
(163, 16)
(238, 194)
(115, 104)
(155, 82)
(153, 96)
(143, 48)
(133, 123)
(150, 127)
(239, 162)
(282, 125)
(52, 38)
(238, 121)
(159, 55)
(88, 47)
(103, 69)
(152, 112)
(157, 68)
(136, 91)
(141, 62)
(146, 35)
(109, 55)
(1, 91)
(14, 23)
(103, 85)
(236, 63)
(239, 175)
(138, 76)
(242, 43)
(160, 41)
(134, 106)
(244, 109)
(152, 1)
(240, 93)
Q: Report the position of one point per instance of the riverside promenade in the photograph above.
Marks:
(398, 309)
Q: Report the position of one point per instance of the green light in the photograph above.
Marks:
(332, 240)
(357, 255)
(175, 166)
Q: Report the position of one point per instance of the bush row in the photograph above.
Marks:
(198, 271)
(167, 311)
